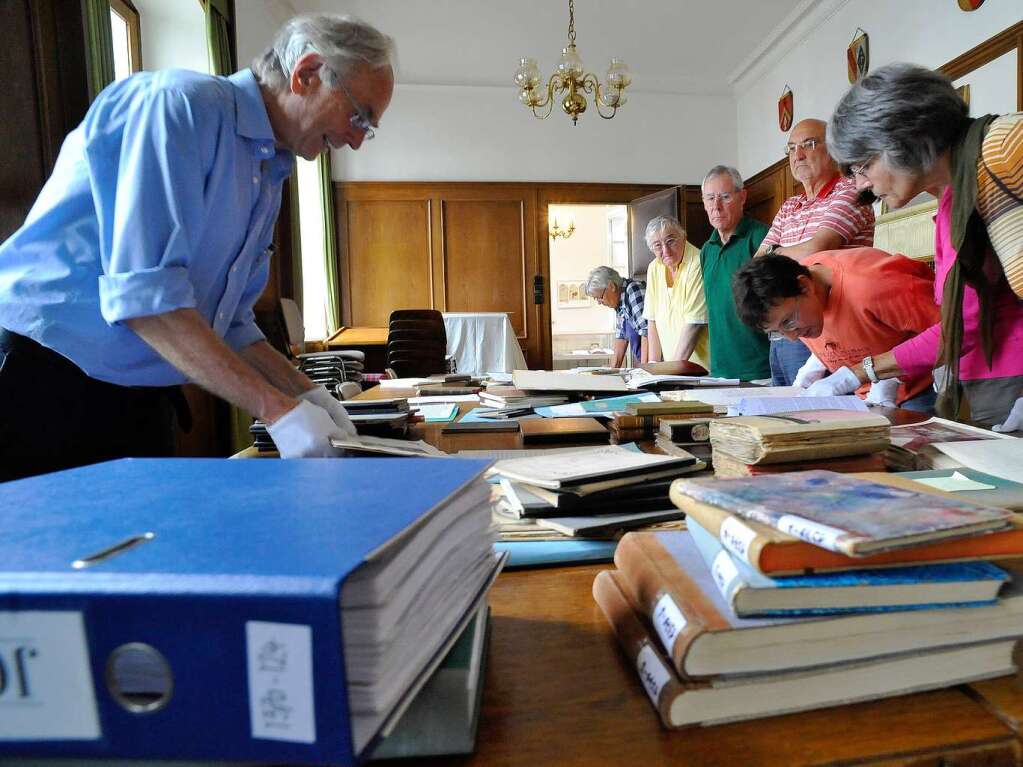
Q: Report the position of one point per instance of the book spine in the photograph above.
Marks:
(665, 596)
(658, 678)
(697, 431)
(648, 422)
(628, 435)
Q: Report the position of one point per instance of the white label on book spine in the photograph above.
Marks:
(46, 690)
(811, 532)
(737, 538)
(724, 571)
(280, 665)
(669, 622)
(652, 672)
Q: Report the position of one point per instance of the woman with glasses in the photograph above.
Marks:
(675, 308)
(904, 130)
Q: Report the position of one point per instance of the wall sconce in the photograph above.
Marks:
(556, 231)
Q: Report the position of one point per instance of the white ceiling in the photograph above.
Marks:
(671, 46)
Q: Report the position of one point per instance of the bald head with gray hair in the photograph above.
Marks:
(345, 43)
(906, 115)
(723, 170)
(663, 223)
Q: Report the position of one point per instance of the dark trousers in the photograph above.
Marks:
(53, 416)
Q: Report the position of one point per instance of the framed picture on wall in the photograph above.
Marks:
(572, 295)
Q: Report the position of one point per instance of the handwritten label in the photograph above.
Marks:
(724, 571)
(652, 672)
(736, 537)
(668, 621)
(46, 690)
(280, 665)
(811, 532)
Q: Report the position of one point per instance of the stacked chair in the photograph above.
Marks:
(417, 343)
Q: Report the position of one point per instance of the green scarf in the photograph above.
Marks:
(970, 240)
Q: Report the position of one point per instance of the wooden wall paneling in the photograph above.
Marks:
(765, 192)
(698, 228)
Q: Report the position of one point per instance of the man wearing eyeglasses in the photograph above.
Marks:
(739, 351)
(845, 306)
(825, 216)
(138, 266)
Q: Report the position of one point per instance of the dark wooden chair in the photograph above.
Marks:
(416, 342)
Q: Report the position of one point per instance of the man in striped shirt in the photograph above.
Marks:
(826, 216)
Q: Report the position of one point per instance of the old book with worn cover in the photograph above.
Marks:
(664, 408)
(913, 445)
(811, 434)
(773, 552)
(684, 703)
(843, 513)
(727, 467)
(665, 575)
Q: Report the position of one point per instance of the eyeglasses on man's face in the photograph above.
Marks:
(790, 323)
(359, 120)
(668, 243)
(808, 145)
(724, 197)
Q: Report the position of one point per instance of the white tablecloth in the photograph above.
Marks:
(482, 342)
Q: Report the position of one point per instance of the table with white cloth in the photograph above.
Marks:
(483, 342)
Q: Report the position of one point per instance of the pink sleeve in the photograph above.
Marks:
(917, 355)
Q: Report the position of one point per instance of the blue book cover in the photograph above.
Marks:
(596, 406)
(232, 571)
(750, 593)
(543, 553)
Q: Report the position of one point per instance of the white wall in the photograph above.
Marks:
(258, 20)
(572, 259)
(926, 32)
(173, 35)
(478, 133)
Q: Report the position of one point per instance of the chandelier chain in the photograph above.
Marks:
(571, 21)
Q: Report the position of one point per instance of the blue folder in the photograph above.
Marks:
(236, 544)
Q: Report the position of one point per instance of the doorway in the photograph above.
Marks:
(582, 237)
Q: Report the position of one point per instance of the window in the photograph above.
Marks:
(618, 240)
(125, 32)
(314, 272)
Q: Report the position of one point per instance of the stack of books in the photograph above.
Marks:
(815, 589)
(376, 417)
(641, 420)
(504, 401)
(589, 492)
(914, 446)
(835, 440)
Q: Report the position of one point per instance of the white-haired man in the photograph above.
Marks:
(826, 216)
(139, 264)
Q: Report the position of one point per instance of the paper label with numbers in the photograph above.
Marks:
(669, 622)
(652, 672)
(736, 537)
(811, 532)
(724, 571)
(46, 690)
(280, 664)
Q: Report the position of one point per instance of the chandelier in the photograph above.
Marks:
(570, 78)
(556, 231)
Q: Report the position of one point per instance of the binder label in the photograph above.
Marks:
(652, 672)
(811, 532)
(46, 690)
(669, 622)
(280, 665)
(724, 570)
(736, 537)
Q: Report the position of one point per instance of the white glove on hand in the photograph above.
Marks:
(1013, 421)
(884, 392)
(842, 381)
(322, 398)
(305, 432)
(812, 371)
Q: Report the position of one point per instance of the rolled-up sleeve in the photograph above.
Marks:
(148, 193)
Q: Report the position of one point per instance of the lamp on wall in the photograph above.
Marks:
(571, 79)
(556, 231)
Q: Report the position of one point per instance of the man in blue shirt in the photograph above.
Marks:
(627, 297)
(138, 266)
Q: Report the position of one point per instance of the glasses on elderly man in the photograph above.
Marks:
(725, 197)
(808, 145)
(359, 120)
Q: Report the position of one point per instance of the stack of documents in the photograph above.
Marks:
(920, 446)
(282, 611)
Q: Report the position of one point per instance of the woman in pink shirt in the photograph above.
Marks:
(904, 130)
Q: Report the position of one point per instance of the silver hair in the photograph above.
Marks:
(903, 114)
(344, 42)
(723, 170)
(600, 278)
(663, 222)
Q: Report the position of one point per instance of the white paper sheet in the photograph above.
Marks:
(769, 405)
(1000, 457)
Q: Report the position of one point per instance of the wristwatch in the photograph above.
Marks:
(868, 368)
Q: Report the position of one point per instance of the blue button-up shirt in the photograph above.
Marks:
(164, 198)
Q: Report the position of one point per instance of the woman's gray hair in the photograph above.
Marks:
(344, 42)
(600, 278)
(903, 114)
(723, 170)
(670, 223)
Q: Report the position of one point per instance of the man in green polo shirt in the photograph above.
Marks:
(739, 352)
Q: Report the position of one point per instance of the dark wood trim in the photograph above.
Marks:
(127, 11)
(1007, 40)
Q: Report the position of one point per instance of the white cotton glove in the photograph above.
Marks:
(322, 398)
(305, 432)
(812, 371)
(842, 381)
(1013, 421)
(884, 392)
